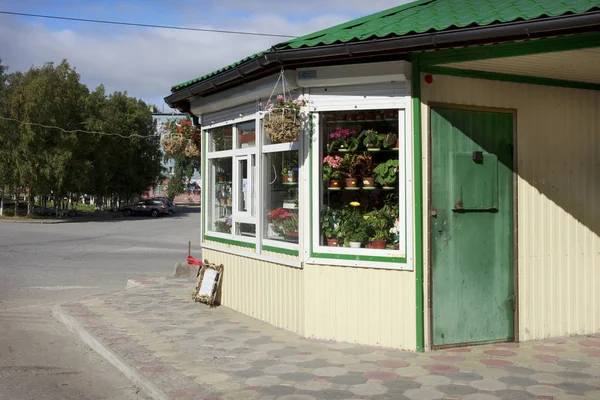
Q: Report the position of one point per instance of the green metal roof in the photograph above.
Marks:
(235, 64)
(424, 16)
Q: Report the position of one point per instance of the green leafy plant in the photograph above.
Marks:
(223, 226)
(371, 138)
(386, 173)
(379, 222)
(331, 222)
(389, 140)
(353, 227)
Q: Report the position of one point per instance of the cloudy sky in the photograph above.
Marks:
(146, 62)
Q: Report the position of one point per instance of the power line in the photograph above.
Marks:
(99, 21)
(133, 135)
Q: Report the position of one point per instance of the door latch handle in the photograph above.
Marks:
(434, 212)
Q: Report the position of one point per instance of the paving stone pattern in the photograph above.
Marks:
(192, 351)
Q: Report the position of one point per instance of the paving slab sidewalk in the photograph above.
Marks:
(174, 348)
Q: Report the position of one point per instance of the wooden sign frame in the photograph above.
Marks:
(207, 286)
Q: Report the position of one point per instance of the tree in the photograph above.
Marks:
(50, 145)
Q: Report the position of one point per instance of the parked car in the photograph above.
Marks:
(170, 205)
(153, 207)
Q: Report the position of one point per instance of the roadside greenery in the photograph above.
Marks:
(54, 165)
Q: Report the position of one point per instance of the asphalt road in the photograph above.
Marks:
(46, 264)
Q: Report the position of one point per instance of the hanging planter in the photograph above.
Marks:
(174, 145)
(192, 150)
(282, 121)
(282, 125)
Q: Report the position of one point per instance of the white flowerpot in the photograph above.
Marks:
(355, 245)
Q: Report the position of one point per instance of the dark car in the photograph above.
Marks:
(153, 207)
(171, 207)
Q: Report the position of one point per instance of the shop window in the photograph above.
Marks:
(231, 184)
(281, 196)
(220, 196)
(246, 134)
(220, 139)
(359, 171)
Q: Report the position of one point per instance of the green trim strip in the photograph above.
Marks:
(289, 252)
(397, 260)
(310, 183)
(204, 193)
(512, 49)
(230, 241)
(418, 194)
(497, 76)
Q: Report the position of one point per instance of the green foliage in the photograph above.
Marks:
(182, 173)
(387, 172)
(331, 222)
(353, 227)
(371, 138)
(65, 162)
(389, 140)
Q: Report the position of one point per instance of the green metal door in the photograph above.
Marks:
(472, 226)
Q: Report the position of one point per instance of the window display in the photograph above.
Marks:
(359, 194)
(220, 213)
(281, 196)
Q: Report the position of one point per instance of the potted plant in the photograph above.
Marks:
(349, 166)
(353, 228)
(379, 222)
(386, 173)
(223, 226)
(367, 166)
(343, 140)
(390, 141)
(332, 171)
(371, 139)
(331, 225)
(282, 120)
(284, 223)
(290, 166)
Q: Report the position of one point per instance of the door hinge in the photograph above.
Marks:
(513, 302)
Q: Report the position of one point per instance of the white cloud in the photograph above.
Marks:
(147, 62)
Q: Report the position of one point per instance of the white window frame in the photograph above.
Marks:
(405, 192)
(237, 153)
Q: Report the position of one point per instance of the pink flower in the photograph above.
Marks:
(395, 170)
(331, 135)
(280, 97)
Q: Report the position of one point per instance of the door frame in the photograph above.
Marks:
(429, 222)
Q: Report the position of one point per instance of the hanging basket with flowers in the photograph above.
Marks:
(282, 122)
(181, 137)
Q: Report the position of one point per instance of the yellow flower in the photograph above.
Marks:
(285, 170)
(354, 203)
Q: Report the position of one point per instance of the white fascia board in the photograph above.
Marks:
(354, 74)
(245, 93)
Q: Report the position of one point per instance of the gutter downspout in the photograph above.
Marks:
(429, 41)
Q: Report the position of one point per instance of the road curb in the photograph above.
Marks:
(149, 388)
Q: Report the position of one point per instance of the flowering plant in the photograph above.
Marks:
(331, 167)
(183, 127)
(282, 122)
(180, 136)
(343, 139)
(366, 164)
(283, 221)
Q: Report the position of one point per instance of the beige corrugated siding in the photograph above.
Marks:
(574, 65)
(270, 292)
(558, 139)
(360, 305)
